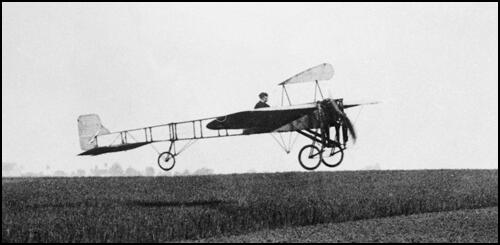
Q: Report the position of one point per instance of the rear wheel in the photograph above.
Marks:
(332, 156)
(310, 157)
(166, 161)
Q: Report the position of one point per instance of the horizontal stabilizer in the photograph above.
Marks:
(107, 149)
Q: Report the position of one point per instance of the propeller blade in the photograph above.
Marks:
(346, 121)
(350, 127)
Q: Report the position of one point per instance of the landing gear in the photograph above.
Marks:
(166, 161)
(332, 156)
(310, 157)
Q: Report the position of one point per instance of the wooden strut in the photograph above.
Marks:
(319, 88)
(315, 136)
(288, 97)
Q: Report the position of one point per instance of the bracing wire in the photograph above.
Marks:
(295, 140)
(282, 140)
(114, 140)
(152, 146)
(277, 141)
(356, 119)
(290, 141)
(359, 112)
(187, 145)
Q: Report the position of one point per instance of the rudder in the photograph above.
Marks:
(89, 126)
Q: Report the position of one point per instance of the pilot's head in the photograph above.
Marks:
(263, 97)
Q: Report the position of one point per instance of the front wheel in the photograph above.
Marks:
(166, 161)
(332, 156)
(309, 157)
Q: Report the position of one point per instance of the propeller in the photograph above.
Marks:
(343, 117)
(345, 120)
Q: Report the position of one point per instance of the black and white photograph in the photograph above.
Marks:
(246, 122)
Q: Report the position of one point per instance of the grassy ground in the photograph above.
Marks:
(145, 209)
(470, 225)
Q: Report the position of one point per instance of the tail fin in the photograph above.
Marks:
(89, 126)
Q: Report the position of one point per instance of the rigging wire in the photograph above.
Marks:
(277, 141)
(359, 112)
(114, 140)
(295, 140)
(290, 141)
(282, 140)
(154, 148)
(189, 144)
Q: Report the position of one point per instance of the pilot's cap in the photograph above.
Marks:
(263, 94)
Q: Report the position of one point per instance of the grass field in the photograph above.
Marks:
(468, 225)
(157, 209)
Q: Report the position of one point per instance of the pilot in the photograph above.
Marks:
(262, 102)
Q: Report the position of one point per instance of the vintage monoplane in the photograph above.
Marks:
(313, 120)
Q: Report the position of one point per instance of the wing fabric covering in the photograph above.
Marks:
(90, 126)
(318, 73)
(259, 121)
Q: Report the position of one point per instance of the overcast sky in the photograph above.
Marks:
(434, 67)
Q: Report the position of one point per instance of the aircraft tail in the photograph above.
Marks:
(89, 126)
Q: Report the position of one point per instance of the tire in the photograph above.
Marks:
(310, 152)
(164, 158)
(332, 156)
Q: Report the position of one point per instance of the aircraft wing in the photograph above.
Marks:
(261, 120)
(317, 73)
(354, 105)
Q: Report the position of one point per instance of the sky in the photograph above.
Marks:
(434, 67)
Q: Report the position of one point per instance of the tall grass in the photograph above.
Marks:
(145, 209)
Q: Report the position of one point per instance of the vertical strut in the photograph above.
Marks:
(288, 97)
(194, 131)
(201, 130)
(174, 126)
(319, 88)
(315, 88)
(282, 94)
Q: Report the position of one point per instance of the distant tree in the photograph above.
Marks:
(32, 174)
(96, 171)
(203, 171)
(80, 172)
(59, 173)
(10, 169)
(375, 166)
(116, 170)
(164, 173)
(184, 173)
(149, 171)
(132, 172)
